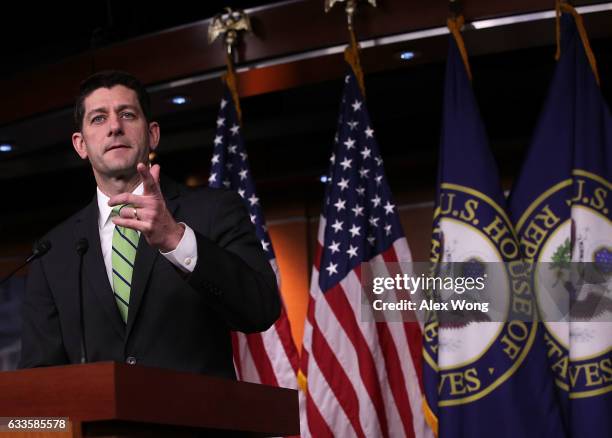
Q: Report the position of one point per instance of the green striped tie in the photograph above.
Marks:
(125, 242)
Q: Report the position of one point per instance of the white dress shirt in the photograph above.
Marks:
(184, 256)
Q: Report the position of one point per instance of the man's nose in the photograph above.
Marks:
(115, 125)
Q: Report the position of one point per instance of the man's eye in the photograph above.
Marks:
(127, 115)
(97, 119)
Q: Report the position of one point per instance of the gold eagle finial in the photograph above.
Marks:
(228, 24)
(351, 7)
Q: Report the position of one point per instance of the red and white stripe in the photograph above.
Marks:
(270, 357)
(363, 379)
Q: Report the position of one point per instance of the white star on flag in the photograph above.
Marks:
(349, 143)
(343, 184)
(340, 205)
(253, 199)
(354, 230)
(220, 122)
(388, 208)
(337, 226)
(218, 140)
(235, 129)
(346, 163)
(357, 105)
(334, 247)
(332, 268)
(352, 251)
(358, 210)
(243, 174)
(365, 153)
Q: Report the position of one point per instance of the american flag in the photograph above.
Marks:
(362, 379)
(270, 357)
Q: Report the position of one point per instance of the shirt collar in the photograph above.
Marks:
(105, 209)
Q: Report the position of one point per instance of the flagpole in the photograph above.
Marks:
(351, 53)
(228, 25)
(455, 24)
(269, 357)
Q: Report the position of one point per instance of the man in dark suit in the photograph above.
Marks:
(168, 271)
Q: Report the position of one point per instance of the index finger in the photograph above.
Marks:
(151, 187)
(126, 199)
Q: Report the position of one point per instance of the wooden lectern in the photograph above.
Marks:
(110, 399)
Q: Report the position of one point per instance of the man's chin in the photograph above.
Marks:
(120, 172)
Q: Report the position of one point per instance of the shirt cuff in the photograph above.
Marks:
(185, 255)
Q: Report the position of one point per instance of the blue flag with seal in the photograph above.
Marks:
(562, 215)
(484, 376)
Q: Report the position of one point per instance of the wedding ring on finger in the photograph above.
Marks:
(136, 214)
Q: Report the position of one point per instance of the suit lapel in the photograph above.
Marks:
(146, 256)
(94, 270)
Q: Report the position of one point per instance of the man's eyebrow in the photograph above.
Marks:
(97, 110)
(126, 106)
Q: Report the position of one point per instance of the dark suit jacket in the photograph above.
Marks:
(175, 321)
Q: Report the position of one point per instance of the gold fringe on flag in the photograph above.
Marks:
(302, 382)
(232, 83)
(454, 25)
(430, 417)
(564, 7)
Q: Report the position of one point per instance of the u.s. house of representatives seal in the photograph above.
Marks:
(567, 227)
(480, 354)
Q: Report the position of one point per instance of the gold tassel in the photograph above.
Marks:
(564, 7)
(454, 25)
(351, 55)
(232, 83)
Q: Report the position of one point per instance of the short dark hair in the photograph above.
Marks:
(108, 79)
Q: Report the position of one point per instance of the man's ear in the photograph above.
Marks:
(78, 142)
(153, 135)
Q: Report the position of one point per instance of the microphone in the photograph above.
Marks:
(82, 246)
(40, 249)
